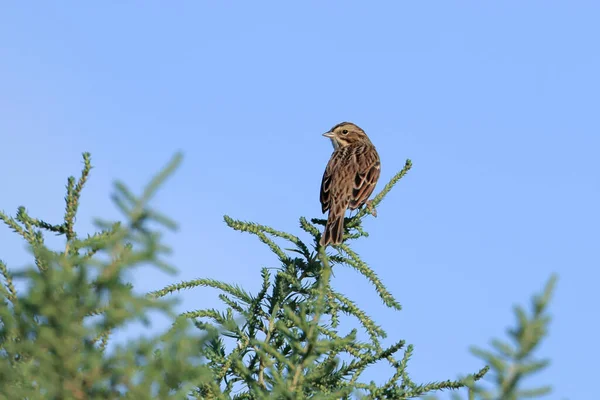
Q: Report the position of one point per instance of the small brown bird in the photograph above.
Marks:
(349, 179)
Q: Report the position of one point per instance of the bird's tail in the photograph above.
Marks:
(334, 229)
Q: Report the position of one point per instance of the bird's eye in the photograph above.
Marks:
(345, 131)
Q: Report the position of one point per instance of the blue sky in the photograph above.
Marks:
(495, 103)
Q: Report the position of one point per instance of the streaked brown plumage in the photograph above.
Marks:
(349, 178)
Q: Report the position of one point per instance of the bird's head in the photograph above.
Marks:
(345, 134)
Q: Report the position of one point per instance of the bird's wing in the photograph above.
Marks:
(369, 168)
(326, 184)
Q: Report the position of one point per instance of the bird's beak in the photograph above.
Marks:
(328, 135)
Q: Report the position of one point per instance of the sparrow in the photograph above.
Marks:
(349, 179)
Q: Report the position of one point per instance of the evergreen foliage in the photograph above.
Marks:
(286, 340)
(512, 362)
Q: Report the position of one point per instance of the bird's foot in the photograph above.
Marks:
(370, 208)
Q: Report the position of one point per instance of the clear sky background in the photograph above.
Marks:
(497, 104)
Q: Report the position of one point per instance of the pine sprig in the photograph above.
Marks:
(514, 361)
(511, 362)
(11, 293)
(73, 196)
(355, 262)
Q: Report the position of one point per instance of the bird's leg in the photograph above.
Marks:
(370, 208)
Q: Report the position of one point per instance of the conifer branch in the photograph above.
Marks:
(12, 224)
(234, 290)
(350, 308)
(8, 283)
(261, 230)
(512, 363)
(310, 228)
(72, 199)
(364, 269)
